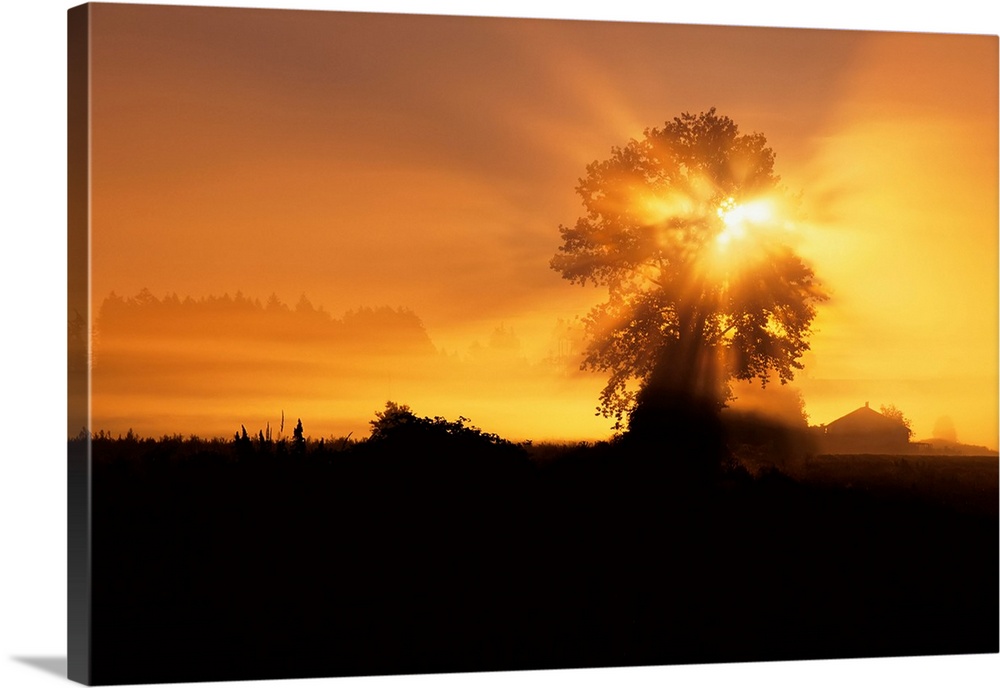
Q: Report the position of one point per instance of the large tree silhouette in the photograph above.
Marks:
(682, 229)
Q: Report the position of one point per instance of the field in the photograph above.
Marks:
(436, 547)
(963, 483)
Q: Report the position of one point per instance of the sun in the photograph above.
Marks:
(739, 219)
(743, 232)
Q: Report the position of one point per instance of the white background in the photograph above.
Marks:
(32, 376)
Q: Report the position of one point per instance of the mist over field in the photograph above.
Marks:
(205, 366)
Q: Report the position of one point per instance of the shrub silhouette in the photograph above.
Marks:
(397, 425)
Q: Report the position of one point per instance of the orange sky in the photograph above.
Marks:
(427, 162)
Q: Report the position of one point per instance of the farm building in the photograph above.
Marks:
(864, 431)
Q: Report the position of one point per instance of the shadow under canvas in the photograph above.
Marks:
(52, 665)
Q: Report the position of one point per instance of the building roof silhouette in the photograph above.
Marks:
(864, 420)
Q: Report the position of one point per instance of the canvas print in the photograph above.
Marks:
(415, 344)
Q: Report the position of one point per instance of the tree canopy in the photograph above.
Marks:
(682, 228)
(897, 415)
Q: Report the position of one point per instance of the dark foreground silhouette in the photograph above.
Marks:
(435, 547)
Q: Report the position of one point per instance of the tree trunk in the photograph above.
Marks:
(678, 409)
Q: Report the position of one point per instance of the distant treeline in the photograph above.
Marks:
(242, 317)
